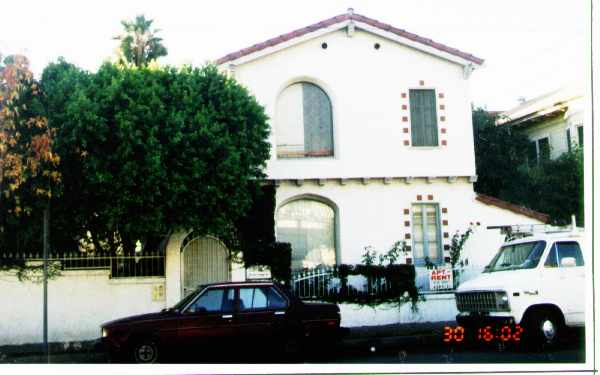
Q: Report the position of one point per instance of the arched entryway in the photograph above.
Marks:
(204, 260)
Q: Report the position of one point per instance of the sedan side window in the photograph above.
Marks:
(214, 300)
(252, 299)
(276, 301)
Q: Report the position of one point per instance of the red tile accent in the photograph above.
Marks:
(444, 210)
(405, 130)
(404, 118)
(446, 235)
(430, 197)
(478, 223)
(443, 130)
(486, 199)
(408, 261)
(442, 118)
(404, 107)
(406, 143)
(444, 222)
(406, 211)
(421, 83)
(441, 95)
(444, 142)
(407, 223)
(419, 197)
(442, 107)
(447, 259)
(403, 95)
(407, 236)
(408, 247)
(446, 247)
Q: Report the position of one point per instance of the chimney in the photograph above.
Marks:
(350, 11)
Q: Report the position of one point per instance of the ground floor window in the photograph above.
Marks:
(426, 234)
(309, 226)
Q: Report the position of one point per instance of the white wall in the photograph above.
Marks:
(435, 308)
(78, 303)
(373, 214)
(365, 87)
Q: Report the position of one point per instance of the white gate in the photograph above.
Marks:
(205, 260)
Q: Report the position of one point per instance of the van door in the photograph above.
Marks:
(564, 281)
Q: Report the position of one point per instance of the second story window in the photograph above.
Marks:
(423, 118)
(538, 150)
(303, 123)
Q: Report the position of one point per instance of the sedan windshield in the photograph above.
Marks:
(519, 256)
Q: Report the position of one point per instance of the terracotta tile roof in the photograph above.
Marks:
(341, 18)
(486, 199)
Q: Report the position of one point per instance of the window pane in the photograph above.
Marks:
(423, 118)
(309, 226)
(532, 153)
(252, 299)
(580, 135)
(304, 123)
(569, 140)
(426, 235)
(212, 301)
(544, 146)
(570, 250)
(246, 295)
(276, 301)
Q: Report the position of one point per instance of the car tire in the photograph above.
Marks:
(545, 329)
(145, 351)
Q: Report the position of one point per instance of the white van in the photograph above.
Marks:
(535, 282)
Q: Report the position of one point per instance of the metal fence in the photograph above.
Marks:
(120, 266)
(324, 283)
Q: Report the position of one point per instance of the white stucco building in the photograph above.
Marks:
(372, 143)
(553, 122)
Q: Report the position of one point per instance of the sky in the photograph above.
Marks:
(530, 47)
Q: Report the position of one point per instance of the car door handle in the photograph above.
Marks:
(279, 312)
(229, 316)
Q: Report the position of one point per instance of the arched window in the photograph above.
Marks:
(309, 226)
(304, 126)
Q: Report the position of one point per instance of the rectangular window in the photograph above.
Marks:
(569, 140)
(423, 118)
(580, 135)
(426, 234)
(532, 153)
(544, 149)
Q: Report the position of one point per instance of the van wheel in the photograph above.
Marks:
(545, 329)
(145, 351)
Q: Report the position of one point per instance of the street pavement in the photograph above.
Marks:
(414, 349)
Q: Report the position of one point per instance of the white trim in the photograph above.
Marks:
(361, 25)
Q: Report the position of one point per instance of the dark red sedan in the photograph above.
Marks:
(233, 318)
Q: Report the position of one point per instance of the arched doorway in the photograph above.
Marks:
(205, 260)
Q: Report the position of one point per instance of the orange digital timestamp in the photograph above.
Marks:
(488, 333)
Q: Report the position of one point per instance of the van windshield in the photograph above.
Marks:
(519, 256)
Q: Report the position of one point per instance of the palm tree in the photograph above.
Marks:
(139, 44)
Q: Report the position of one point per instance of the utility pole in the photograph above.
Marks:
(46, 246)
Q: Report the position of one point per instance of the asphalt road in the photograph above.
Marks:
(571, 351)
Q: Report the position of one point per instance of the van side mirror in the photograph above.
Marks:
(568, 262)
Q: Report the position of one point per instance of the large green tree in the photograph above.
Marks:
(148, 151)
(554, 186)
(139, 44)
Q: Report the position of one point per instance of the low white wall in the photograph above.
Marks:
(78, 303)
(435, 308)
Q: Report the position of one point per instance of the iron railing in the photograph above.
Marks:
(120, 266)
(325, 283)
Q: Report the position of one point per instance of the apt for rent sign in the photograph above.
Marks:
(440, 279)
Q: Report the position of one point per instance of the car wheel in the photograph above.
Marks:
(545, 329)
(145, 351)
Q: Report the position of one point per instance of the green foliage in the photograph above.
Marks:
(457, 242)
(148, 151)
(554, 187)
(139, 44)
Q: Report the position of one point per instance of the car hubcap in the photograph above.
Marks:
(145, 353)
(548, 330)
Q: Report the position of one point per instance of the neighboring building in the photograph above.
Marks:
(553, 122)
(371, 143)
